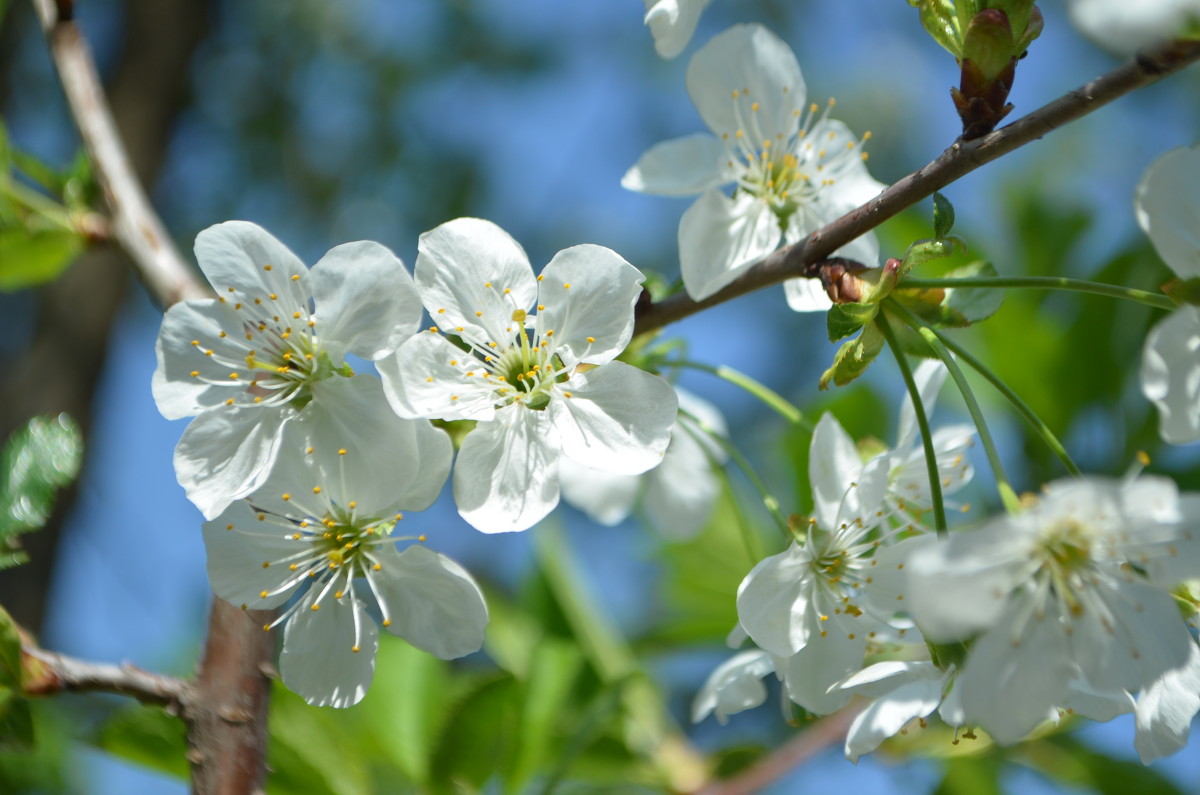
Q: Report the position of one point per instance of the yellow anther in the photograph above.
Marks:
(261, 517)
(429, 380)
(518, 315)
(507, 291)
(316, 489)
(352, 504)
(453, 362)
(1143, 458)
(262, 594)
(866, 136)
(296, 315)
(454, 397)
(754, 106)
(540, 277)
(566, 394)
(237, 306)
(387, 622)
(195, 342)
(295, 277)
(229, 402)
(550, 332)
(229, 527)
(308, 450)
(341, 451)
(316, 607)
(222, 335)
(258, 300)
(738, 134)
(266, 564)
(230, 289)
(433, 329)
(813, 108)
(478, 314)
(487, 284)
(441, 311)
(591, 339)
(736, 93)
(458, 328)
(196, 373)
(312, 323)
(273, 297)
(399, 516)
(258, 400)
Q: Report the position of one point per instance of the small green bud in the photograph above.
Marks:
(943, 216)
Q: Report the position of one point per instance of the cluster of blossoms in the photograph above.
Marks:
(304, 468)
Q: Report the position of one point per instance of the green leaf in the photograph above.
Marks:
(1062, 758)
(32, 257)
(943, 216)
(480, 735)
(147, 736)
(547, 692)
(971, 775)
(310, 748)
(845, 319)
(973, 304)
(10, 653)
(923, 251)
(853, 358)
(16, 723)
(42, 457)
(939, 20)
(413, 686)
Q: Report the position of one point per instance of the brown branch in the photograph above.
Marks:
(135, 225)
(804, 746)
(960, 159)
(226, 708)
(57, 673)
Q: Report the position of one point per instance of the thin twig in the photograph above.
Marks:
(135, 225)
(827, 731)
(57, 673)
(960, 159)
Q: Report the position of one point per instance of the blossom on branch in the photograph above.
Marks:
(794, 168)
(270, 350)
(322, 530)
(540, 385)
(1168, 209)
(1122, 26)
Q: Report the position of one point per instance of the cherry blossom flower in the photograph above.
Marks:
(795, 169)
(1053, 597)
(735, 685)
(269, 350)
(1168, 209)
(322, 529)
(672, 23)
(678, 494)
(540, 386)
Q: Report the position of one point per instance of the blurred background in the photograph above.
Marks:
(370, 119)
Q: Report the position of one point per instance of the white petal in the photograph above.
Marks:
(469, 265)
(806, 295)
(720, 238)
(890, 572)
(1123, 27)
(772, 600)
(318, 661)
(876, 681)
(1015, 675)
(597, 305)
(754, 62)
(177, 392)
(833, 465)
(432, 602)
(1168, 207)
(227, 453)
(366, 303)
(390, 463)
(427, 378)
(506, 478)
(236, 254)
(681, 491)
(618, 418)
(1098, 705)
(1165, 710)
(672, 23)
(606, 497)
(735, 685)
(682, 167)
(1171, 374)
(913, 695)
(929, 376)
(832, 652)
(239, 550)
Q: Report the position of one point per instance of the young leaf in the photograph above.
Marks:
(36, 461)
(973, 304)
(32, 257)
(943, 216)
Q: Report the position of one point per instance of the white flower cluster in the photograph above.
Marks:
(304, 468)
(1064, 607)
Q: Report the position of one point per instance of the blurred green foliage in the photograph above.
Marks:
(37, 461)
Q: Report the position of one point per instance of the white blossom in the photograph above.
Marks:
(1168, 209)
(795, 169)
(540, 385)
(269, 350)
(322, 529)
(735, 685)
(672, 23)
(678, 494)
(1052, 597)
(1122, 26)
(1165, 710)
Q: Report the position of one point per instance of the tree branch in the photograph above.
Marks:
(135, 225)
(57, 673)
(960, 159)
(226, 708)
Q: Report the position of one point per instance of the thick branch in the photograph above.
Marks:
(961, 158)
(135, 225)
(59, 673)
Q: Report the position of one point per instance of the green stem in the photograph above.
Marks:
(768, 499)
(1007, 496)
(935, 480)
(1049, 283)
(759, 390)
(1020, 405)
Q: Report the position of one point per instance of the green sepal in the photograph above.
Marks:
(923, 251)
(943, 216)
(854, 357)
(940, 21)
(944, 655)
(16, 723)
(988, 42)
(845, 319)
(1183, 291)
